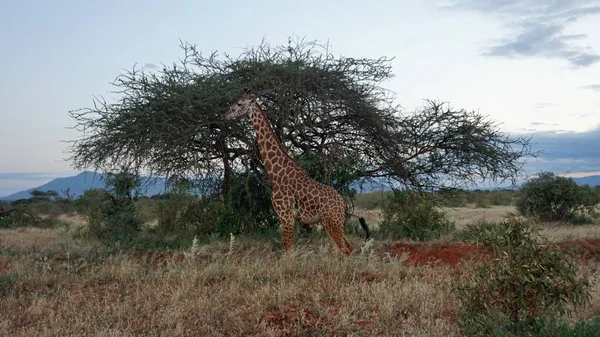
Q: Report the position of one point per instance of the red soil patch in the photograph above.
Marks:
(290, 318)
(450, 254)
(318, 317)
(585, 250)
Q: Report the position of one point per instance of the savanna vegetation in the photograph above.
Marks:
(205, 257)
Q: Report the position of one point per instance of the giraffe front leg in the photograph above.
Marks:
(284, 207)
(287, 232)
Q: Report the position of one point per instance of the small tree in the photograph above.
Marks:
(44, 195)
(525, 281)
(330, 112)
(413, 216)
(111, 213)
(551, 198)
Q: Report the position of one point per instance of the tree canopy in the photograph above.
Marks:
(331, 112)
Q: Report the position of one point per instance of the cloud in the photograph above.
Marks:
(565, 151)
(542, 123)
(537, 28)
(149, 66)
(544, 105)
(27, 175)
(595, 87)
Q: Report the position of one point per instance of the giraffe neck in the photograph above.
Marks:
(274, 156)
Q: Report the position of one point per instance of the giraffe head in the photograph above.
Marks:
(243, 106)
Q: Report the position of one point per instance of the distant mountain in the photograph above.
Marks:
(80, 183)
(589, 180)
(89, 180)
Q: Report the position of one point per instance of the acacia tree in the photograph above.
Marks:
(330, 112)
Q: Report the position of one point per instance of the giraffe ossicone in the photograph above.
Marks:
(296, 196)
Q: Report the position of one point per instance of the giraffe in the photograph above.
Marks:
(296, 196)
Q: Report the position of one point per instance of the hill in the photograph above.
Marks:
(589, 180)
(78, 184)
(88, 180)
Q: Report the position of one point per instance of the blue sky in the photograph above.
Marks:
(533, 66)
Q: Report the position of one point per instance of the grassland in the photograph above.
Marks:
(53, 284)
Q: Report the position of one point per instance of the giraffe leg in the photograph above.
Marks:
(287, 232)
(284, 209)
(335, 230)
(348, 245)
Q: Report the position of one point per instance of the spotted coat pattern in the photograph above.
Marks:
(296, 196)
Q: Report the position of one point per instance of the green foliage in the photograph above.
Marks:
(329, 112)
(542, 327)
(501, 197)
(249, 206)
(451, 197)
(170, 207)
(373, 200)
(111, 213)
(526, 280)
(6, 283)
(551, 198)
(336, 169)
(45, 195)
(19, 216)
(477, 198)
(413, 216)
(547, 327)
(482, 203)
(90, 205)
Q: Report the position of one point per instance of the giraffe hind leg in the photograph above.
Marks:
(335, 231)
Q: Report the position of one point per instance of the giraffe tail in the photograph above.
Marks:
(364, 226)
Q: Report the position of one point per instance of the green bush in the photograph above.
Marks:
(450, 197)
(525, 281)
(413, 216)
(551, 198)
(473, 232)
(7, 282)
(546, 327)
(170, 208)
(111, 213)
(248, 207)
(371, 200)
(20, 216)
(501, 197)
(482, 202)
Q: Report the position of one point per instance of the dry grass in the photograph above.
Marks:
(256, 292)
(466, 215)
(463, 216)
(566, 231)
(66, 287)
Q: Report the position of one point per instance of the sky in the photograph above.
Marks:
(532, 66)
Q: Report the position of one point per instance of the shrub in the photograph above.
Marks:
(111, 213)
(372, 200)
(413, 216)
(249, 207)
(450, 197)
(501, 197)
(482, 202)
(170, 207)
(7, 282)
(20, 216)
(550, 198)
(525, 281)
